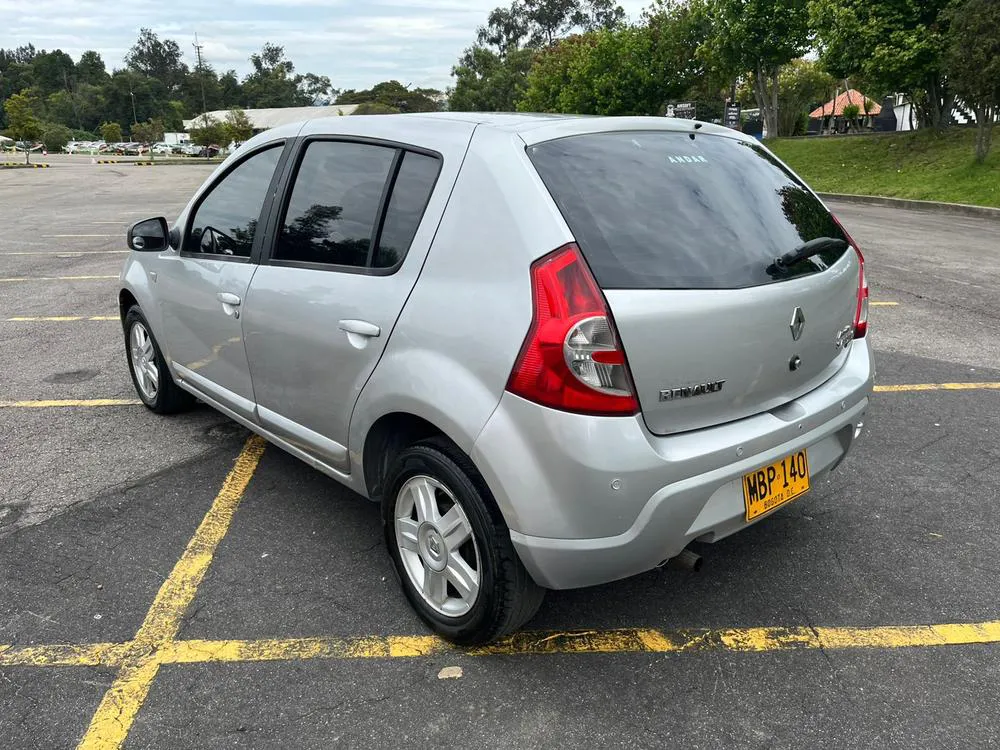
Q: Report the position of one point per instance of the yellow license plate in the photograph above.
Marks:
(771, 486)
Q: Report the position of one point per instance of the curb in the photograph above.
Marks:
(22, 165)
(962, 209)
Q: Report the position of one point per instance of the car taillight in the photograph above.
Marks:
(571, 358)
(861, 312)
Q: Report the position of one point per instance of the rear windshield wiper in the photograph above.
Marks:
(807, 250)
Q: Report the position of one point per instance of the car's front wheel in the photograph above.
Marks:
(451, 547)
(150, 375)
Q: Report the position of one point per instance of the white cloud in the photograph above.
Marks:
(355, 43)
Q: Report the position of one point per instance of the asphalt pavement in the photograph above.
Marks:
(842, 621)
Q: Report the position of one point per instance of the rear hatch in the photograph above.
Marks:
(681, 231)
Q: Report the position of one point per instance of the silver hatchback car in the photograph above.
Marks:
(556, 350)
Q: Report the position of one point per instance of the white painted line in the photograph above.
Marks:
(59, 236)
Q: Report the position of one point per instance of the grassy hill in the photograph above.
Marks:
(924, 165)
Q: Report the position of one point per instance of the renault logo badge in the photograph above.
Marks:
(798, 323)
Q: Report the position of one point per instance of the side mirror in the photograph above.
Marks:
(149, 235)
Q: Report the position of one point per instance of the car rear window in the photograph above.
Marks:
(668, 210)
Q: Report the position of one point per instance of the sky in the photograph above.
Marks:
(357, 43)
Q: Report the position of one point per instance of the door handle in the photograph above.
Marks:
(227, 298)
(360, 327)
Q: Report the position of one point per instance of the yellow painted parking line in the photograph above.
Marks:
(617, 641)
(69, 403)
(937, 387)
(58, 318)
(65, 253)
(64, 655)
(59, 278)
(883, 304)
(626, 640)
(114, 716)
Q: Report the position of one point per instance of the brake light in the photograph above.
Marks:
(861, 312)
(571, 358)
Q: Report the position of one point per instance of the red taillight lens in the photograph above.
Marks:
(571, 358)
(861, 316)
(861, 312)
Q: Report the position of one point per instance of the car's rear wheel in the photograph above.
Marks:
(150, 375)
(451, 547)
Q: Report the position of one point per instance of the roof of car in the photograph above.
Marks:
(532, 128)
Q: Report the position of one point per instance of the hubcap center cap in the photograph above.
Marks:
(433, 549)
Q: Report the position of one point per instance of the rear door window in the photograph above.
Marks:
(334, 208)
(355, 205)
(410, 193)
(667, 210)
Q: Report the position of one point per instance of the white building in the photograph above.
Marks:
(265, 119)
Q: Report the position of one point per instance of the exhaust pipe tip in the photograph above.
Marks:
(686, 560)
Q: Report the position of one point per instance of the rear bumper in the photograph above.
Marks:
(591, 500)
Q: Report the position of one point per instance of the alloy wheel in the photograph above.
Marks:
(437, 546)
(147, 373)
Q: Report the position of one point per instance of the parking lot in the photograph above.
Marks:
(173, 583)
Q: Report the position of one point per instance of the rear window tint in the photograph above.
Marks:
(665, 210)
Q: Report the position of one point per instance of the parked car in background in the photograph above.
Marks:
(555, 350)
(209, 151)
(161, 148)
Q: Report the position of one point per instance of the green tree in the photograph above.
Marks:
(679, 31)
(230, 90)
(893, 45)
(548, 19)
(273, 82)
(757, 37)
(90, 68)
(157, 59)
(316, 89)
(173, 117)
(237, 126)
(802, 86)
(625, 70)
(395, 95)
(62, 107)
(375, 108)
(55, 136)
(592, 15)
(505, 29)
(150, 131)
(111, 132)
(200, 91)
(973, 58)
(602, 73)
(51, 71)
(208, 132)
(486, 81)
(23, 122)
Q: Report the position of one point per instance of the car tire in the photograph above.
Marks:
(150, 374)
(436, 474)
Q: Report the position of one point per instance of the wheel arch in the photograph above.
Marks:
(388, 435)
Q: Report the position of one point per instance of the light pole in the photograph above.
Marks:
(135, 119)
